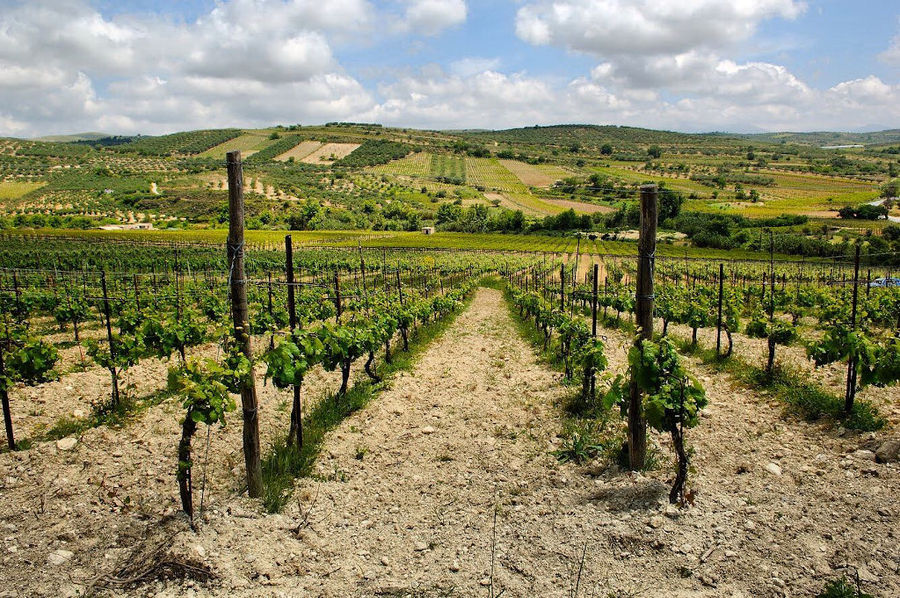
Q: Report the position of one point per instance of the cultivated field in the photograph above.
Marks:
(300, 151)
(330, 153)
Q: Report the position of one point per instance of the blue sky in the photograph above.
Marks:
(694, 65)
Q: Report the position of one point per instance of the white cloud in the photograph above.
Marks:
(645, 27)
(430, 17)
(64, 67)
(246, 61)
(892, 54)
(466, 67)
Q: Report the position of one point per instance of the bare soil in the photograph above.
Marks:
(323, 154)
(300, 151)
(408, 490)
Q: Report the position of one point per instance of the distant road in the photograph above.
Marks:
(879, 202)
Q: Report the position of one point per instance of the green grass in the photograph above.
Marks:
(283, 464)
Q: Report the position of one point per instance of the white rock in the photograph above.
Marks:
(773, 468)
(79, 413)
(427, 430)
(201, 552)
(66, 444)
(454, 566)
(656, 522)
(867, 576)
(421, 546)
(58, 557)
(864, 455)
(749, 526)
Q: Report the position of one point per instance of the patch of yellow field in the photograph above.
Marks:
(299, 151)
(248, 144)
(580, 206)
(16, 189)
(543, 175)
(330, 153)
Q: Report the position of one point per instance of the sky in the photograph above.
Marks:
(153, 67)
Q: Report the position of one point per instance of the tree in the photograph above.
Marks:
(606, 149)
(654, 152)
(669, 204)
(891, 189)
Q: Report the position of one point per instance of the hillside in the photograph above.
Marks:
(349, 176)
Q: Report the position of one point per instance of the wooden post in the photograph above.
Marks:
(238, 286)
(637, 425)
(594, 302)
(851, 362)
(296, 430)
(719, 318)
(109, 337)
(137, 292)
(562, 287)
(594, 324)
(337, 295)
(4, 399)
(362, 270)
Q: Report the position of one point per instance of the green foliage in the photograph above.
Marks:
(292, 358)
(29, 361)
(842, 588)
(672, 396)
(165, 332)
(580, 445)
(236, 367)
(128, 351)
(72, 310)
(189, 142)
(373, 152)
(779, 331)
(205, 396)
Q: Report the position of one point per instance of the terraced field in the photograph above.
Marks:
(248, 144)
(448, 166)
(417, 165)
(540, 175)
(299, 151)
(330, 153)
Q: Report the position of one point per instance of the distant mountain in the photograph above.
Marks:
(74, 137)
(826, 138)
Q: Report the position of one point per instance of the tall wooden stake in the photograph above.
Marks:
(637, 425)
(4, 399)
(851, 363)
(296, 431)
(238, 285)
(109, 337)
(719, 318)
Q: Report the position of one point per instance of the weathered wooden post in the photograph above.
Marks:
(337, 295)
(4, 399)
(719, 318)
(296, 429)
(851, 362)
(637, 425)
(238, 285)
(112, 343)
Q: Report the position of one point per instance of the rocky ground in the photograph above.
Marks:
(445, 486)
